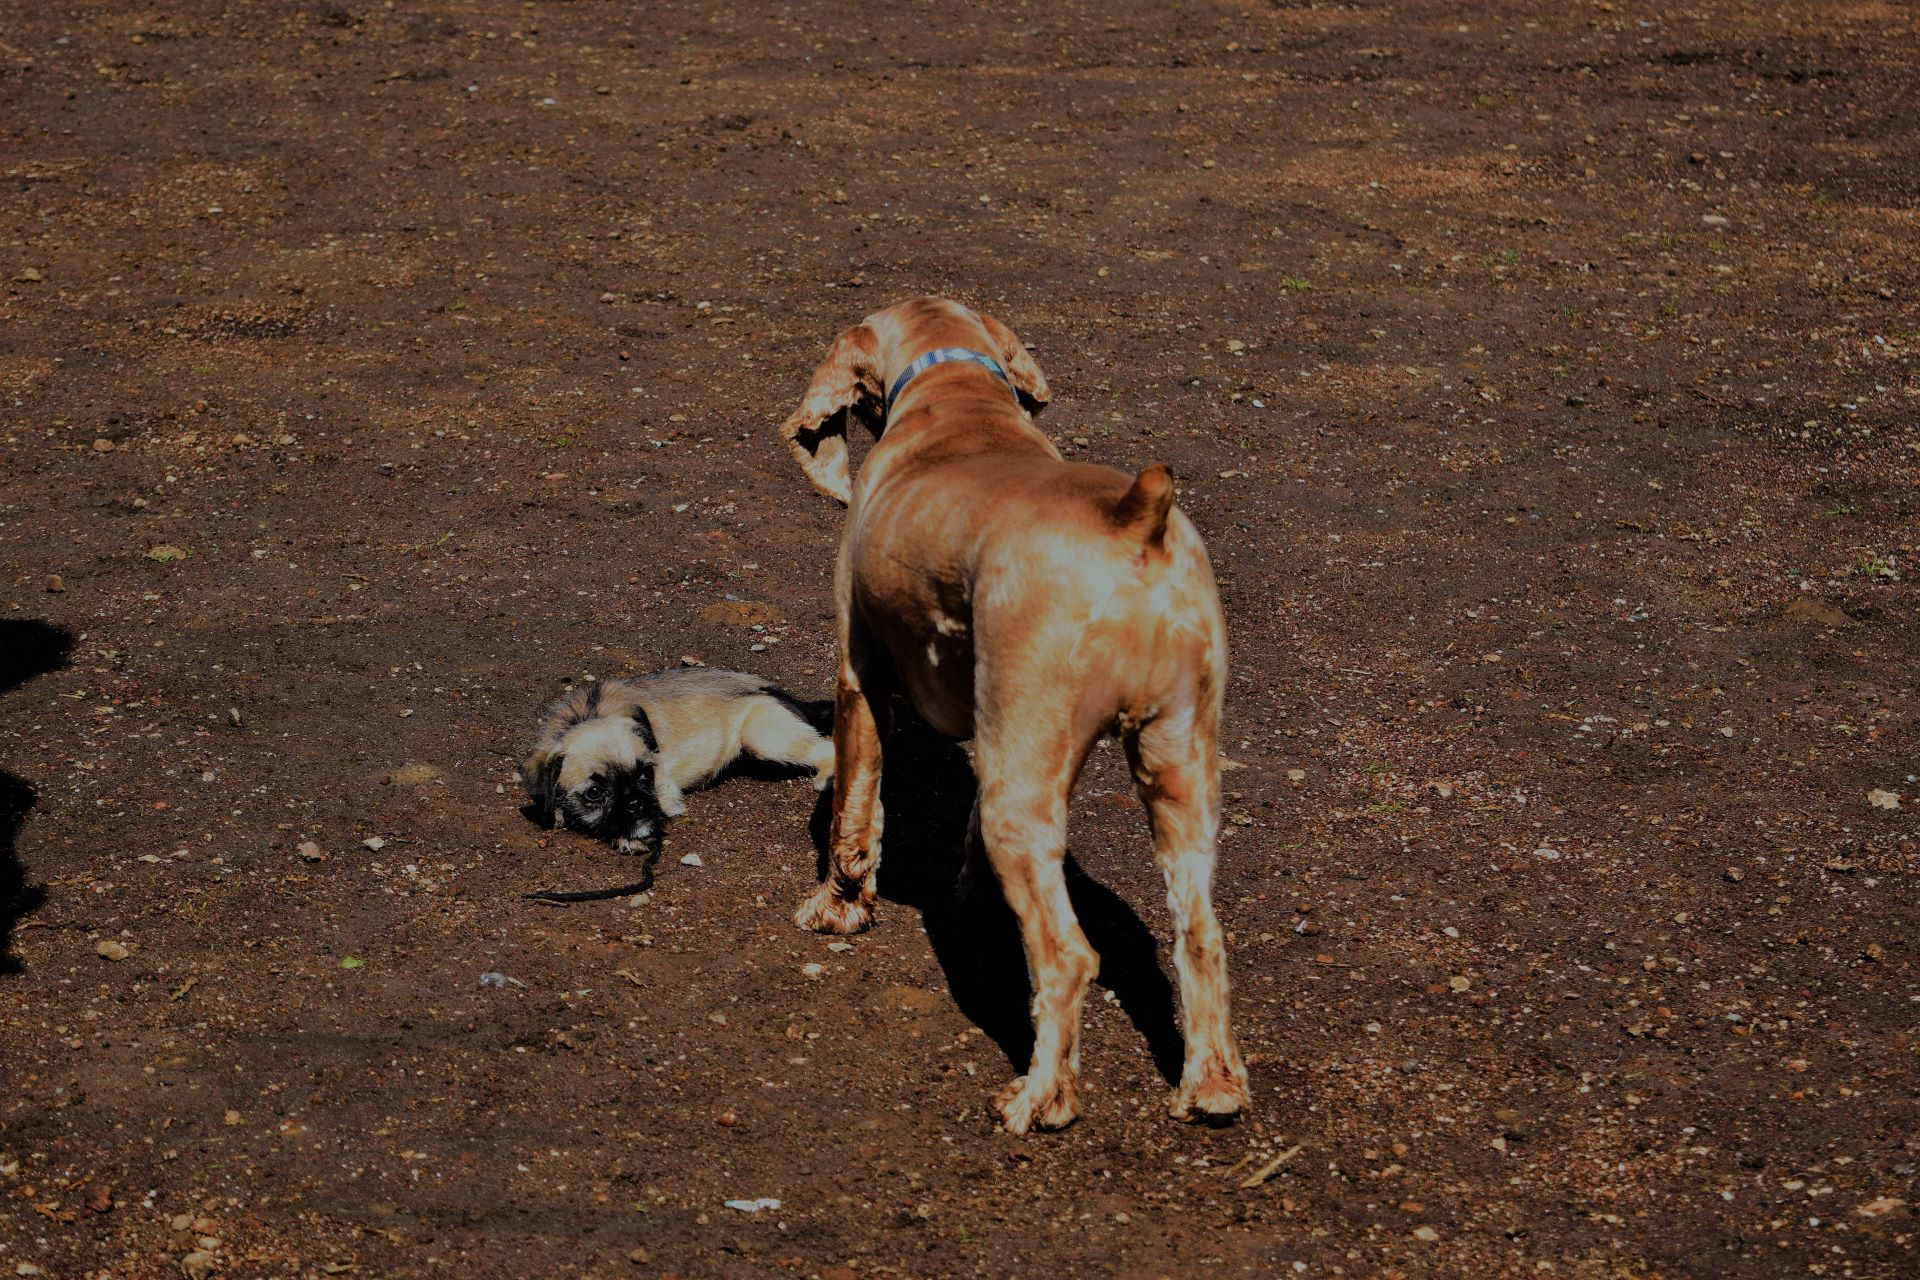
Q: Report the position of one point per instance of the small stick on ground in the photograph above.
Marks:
(1268, 1169)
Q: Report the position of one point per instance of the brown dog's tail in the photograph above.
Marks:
(1141, 515)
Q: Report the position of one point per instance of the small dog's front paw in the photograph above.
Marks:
(825, 911)
(1027, 1104)
(1212, 1094)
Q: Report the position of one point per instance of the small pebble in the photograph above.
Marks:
(691, 860)
(110, 949)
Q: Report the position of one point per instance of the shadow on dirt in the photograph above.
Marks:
(927, 790)
(27, 649)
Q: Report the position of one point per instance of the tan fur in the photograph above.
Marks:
(1033, 605)
(702, 719)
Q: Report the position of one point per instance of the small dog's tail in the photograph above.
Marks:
(1141, 515)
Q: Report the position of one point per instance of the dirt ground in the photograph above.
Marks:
(1543, 376)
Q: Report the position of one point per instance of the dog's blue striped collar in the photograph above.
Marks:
(945, 355)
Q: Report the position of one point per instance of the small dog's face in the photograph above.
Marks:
(599, 781)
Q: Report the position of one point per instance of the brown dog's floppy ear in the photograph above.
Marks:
(1029, 384)
(847, 382)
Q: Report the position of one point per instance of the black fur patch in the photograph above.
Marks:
(540, 789)
(644, 724)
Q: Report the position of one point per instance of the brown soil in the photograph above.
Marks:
(1544, 381)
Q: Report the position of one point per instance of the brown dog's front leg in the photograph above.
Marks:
(844, 904)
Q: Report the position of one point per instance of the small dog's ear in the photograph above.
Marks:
(540, 775)
(1029, 384)
(847, 382)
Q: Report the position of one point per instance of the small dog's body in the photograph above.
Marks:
(612, 757)
(1033, 605)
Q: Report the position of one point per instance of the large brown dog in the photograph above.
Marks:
(1034, 605)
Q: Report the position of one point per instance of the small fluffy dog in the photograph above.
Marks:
(612, 757)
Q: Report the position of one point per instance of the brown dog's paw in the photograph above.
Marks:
(824, 911)
(1025, 1105)
(1215, 1094)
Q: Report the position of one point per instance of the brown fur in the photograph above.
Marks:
(1033, 605)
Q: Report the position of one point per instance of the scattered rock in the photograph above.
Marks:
(100, 1197)
(754, 1206)
(1734, 875)
(197, 1265)
(638, 1257)
(691, 860)
(1459, 983)
(813, 970)
(1296, 775)
(103, 445)
(110, 949)
(232, 1117)
(726, 1119)
(29, 275)
(55, 584)
(414, 774)
(1879, 1208)
(310, 852)
(1427, 1234)
(167, 553)
(374, 843)
(1883, 799)
(742, 613)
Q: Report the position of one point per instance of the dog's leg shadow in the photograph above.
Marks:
(28, 648)
(1129, 967)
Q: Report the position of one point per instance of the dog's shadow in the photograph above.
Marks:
(927, 789)
(28, 648)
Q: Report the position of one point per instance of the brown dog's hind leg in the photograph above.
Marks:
(1022, 817)
(844, 904)
(1178, 776)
